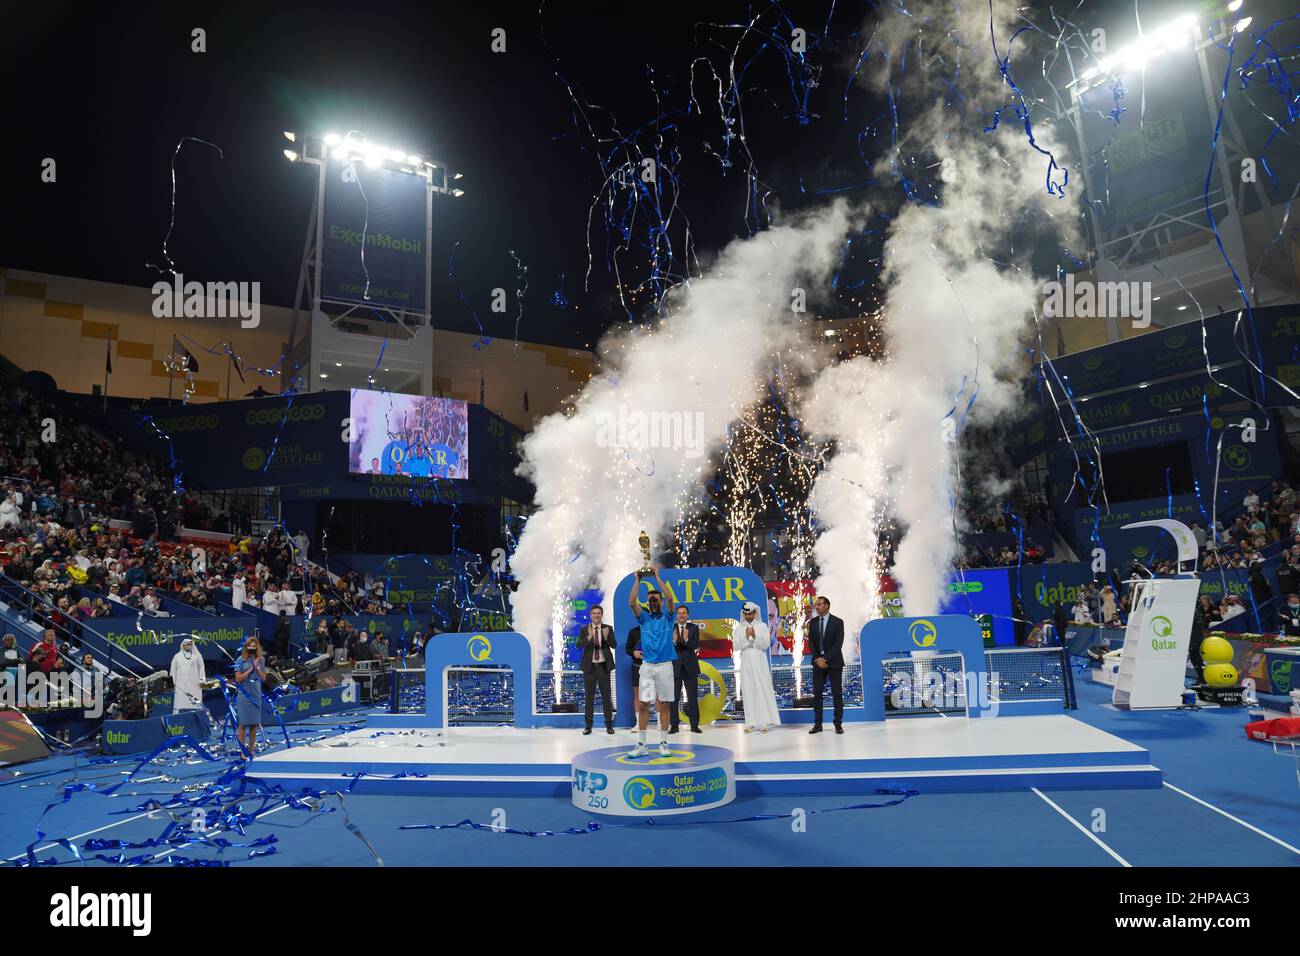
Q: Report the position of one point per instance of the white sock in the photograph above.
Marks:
(663, 736)
(640, 736)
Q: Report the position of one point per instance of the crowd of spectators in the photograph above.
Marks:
(1019, 519)
(85, 522)
(58, 468)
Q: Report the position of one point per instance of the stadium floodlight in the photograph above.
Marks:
(1172, 36)
(291, 136)
(459, 176)
(458, 193)
(333, 139)
(340, 153)
(414, 160)
(1234, 6)
(291, 156)
(1243, 23)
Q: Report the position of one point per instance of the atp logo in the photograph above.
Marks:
(1237, 457)
(923, 633)
(254, 458)
(479, 648)
(1141, 551)
(1092, 364)
(584, 781)
(639, 793)
(1175, 340)
(1161, 626)
(391, 565)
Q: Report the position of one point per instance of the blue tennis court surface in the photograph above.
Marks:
(1226, 802)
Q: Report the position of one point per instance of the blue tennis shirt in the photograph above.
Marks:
(656, 637)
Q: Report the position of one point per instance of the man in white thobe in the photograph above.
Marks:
(751, 639)
(188, 674)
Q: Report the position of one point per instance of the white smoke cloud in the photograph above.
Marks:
(958, 304)
(706, 363)
(951, 317)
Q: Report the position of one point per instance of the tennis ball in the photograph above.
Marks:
(1221, 675)
(1216, 650)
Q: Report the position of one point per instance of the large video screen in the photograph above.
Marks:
(408, 435)
(985, 595)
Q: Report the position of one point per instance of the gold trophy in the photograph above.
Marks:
(645, 569)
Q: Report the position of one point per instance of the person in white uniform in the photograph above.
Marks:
(188, 675)
(751, 639)
(238, 591)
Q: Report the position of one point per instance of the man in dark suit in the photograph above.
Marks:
(632, 647)
(686, 671)
(597, 643)
(825, 634)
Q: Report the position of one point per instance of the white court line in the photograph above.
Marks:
(1086, 832)
(1248, 826)
(109, 826)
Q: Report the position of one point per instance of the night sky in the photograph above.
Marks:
(109, 90)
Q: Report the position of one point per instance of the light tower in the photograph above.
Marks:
(365, 278)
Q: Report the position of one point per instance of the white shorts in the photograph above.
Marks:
(656, 682)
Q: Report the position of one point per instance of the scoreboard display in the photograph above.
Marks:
(984, 594)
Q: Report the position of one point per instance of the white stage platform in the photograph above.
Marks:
(931, 754)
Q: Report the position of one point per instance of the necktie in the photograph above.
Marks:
(596, 657)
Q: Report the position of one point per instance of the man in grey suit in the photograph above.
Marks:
(596, 640)
(825, 633)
